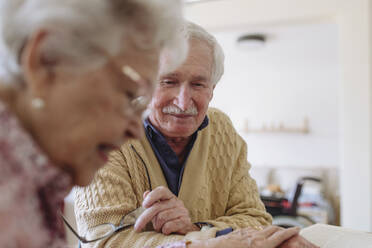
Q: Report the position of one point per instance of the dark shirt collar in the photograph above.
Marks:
(167, 158)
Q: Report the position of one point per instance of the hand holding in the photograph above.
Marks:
(167, 213)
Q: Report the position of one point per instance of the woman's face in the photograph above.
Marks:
(88, 114)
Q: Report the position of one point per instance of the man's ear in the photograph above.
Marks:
(211, 97)
(36, 70)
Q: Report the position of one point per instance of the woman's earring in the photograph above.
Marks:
(37, 103)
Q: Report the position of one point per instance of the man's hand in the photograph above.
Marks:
(297, 242)
(167, 213)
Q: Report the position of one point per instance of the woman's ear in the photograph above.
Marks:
(36, 70)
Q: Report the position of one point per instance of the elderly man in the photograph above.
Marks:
(190, 171)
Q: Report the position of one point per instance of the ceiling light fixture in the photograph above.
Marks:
(251, 41)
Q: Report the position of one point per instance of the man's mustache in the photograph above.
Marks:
(172, 109)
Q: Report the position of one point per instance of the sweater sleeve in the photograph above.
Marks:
(244, 208)
(109, 197)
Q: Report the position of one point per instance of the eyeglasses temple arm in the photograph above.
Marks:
(82, 239)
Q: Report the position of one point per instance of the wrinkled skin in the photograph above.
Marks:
(167, 213)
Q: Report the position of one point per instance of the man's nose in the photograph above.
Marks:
(183, 98)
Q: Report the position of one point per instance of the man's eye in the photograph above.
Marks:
(168, 82)
(198, 84)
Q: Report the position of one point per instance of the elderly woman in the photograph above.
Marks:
(75, 78)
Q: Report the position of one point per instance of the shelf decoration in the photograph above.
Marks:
(278, 128)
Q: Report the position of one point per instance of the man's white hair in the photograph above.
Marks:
(78, 29)
(195, 31)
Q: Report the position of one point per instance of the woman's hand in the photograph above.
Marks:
(270, 237)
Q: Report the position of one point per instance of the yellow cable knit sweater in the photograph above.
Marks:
(216, 187)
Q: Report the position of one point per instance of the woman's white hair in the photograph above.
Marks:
(78, 29)
(195, 31)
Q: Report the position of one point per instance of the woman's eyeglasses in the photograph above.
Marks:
(105, 230)
(140, 103)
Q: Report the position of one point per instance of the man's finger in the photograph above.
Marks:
(159, 194)
(165, 216)
(173, 226)
(282, 235)
(145, 193)
(150, 213)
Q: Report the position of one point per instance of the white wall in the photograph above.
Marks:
(295, 75)
(353, 19)
(356, 112)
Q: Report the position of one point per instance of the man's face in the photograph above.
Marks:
(181, 98)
